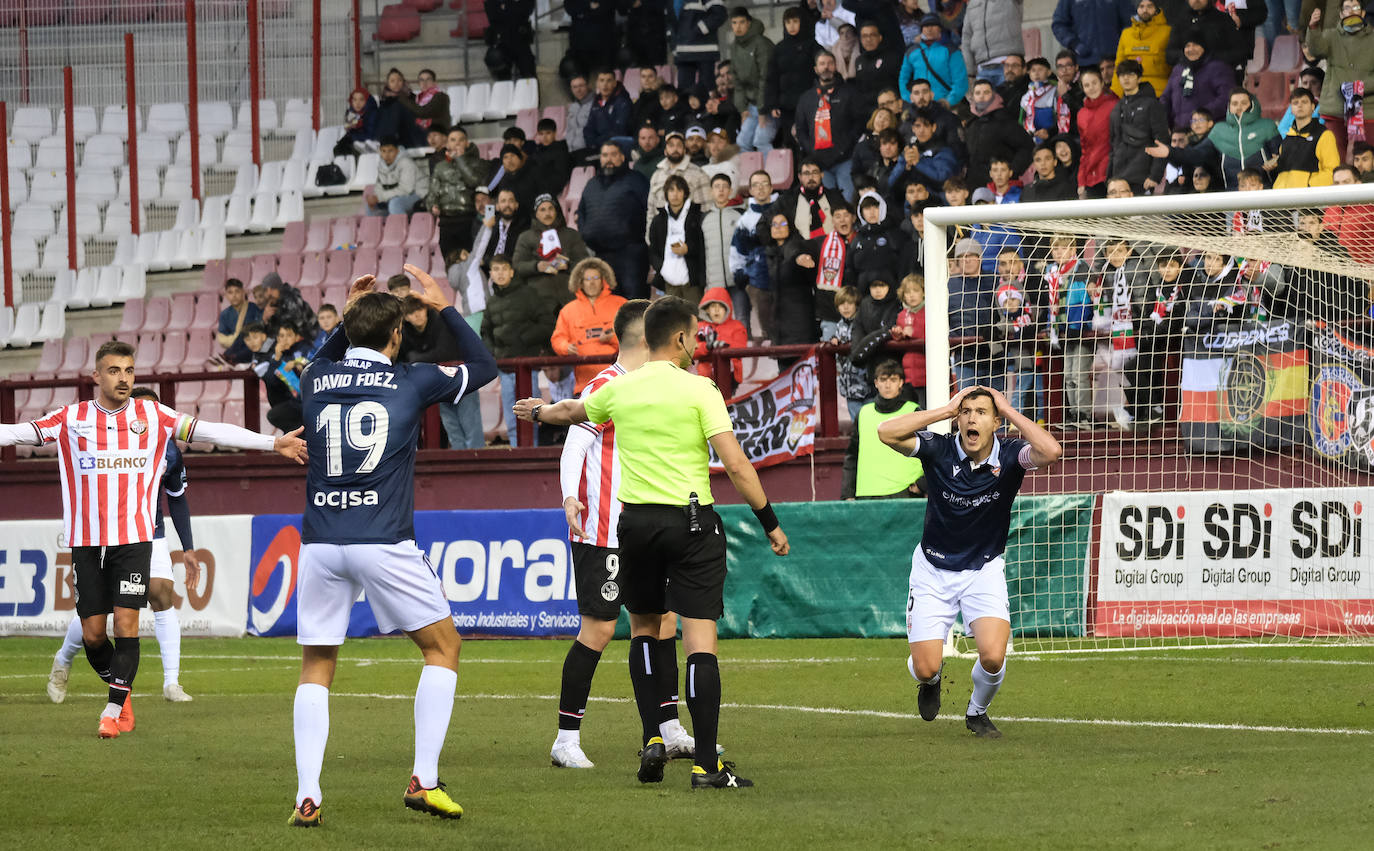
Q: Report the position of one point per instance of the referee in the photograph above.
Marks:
(672, 545)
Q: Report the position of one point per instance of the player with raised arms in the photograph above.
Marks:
(161, 588)
(972, 478)
(362, 414)
(110, 455)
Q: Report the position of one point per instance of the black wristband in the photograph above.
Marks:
(767, 519)
(534, 413)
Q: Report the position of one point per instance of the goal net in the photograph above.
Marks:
(1207, 363)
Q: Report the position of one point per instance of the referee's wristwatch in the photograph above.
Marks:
(534, 412)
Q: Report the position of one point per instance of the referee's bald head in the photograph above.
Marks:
(629, 322)
(666, 318)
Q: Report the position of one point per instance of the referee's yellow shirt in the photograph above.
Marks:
(663, 417)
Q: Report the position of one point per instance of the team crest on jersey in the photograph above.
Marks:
(997, 471)
(138, 426)
(450, 371)
(610, 591)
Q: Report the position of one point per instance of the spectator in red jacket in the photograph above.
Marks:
(719, 329)
(1351, 224)
(1094, 132)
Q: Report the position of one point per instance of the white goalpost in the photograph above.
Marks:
(1207, 362)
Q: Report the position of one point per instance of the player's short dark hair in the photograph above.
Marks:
(666, 317)
(113, 348)
(144, 393)
(395, 282)
(233, 282)
(887, 367)
(371, 320)
(630, 314)
(980, 393)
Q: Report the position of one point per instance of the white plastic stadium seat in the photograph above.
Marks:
(216, 118)
(117, 219)
(264, 213)
(246, 181)
(188, 249)
(167, 119)
(19, 187)
(31, 123)
(149, 187)
(302, 146)
(153, 150)
(238, 149)
(115, 121)
(20, 154)
(188, 215)
(96, 183)
(366, 174)
(350, 166)
(147, 252)
(290, 209)
(84, 126)
(475, 105)
(292, 176)
(133, 282)
(296, 115)
(209, 152)
(126, 249)
(6, 324)
(103, 151)
(213, 245)
(457, 96)
(526, 95)
(26, 321)
(176, 183)
(48, 187)
(502, 99)
(238, 214)
(51, 153)
(105, 286)
(325, 140)
(269, 178)
(23, 254)
(53, 325)
(87, 218)
(55, 254)
(166, 255)
(212, 213)
(33, 221)
(64, 287)
(267, 116)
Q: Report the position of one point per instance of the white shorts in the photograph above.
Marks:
(403, 590)
(161, 565)
(935, 596)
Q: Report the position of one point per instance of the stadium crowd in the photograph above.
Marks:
(868, 112)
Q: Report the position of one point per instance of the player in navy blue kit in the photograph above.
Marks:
(362, 419)
(972, 478)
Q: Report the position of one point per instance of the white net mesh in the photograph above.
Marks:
(1210, 375)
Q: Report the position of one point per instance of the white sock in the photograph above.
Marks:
(167, 628)
(911, 669)
(71, 644)
(433, 706)
(565, 736)
(312, 731)
(668, 728)
(985, 687)
(111, 710)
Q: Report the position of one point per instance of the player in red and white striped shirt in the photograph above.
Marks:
(110, 454)
(589, 472)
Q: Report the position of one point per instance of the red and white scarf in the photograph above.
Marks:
(423, 99)
(1352, 95)
(1054, 282)
(830, 271)
(549, 244)
(822, 136)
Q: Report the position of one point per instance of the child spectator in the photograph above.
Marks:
(831, 250)
(852, 380)
(1111, 294)
(550, 162)
(328, 318)
(873, 470)
(873, 248)
(1013, 341)
(280, 368)
(251, 344)
(873, 326)
(517, 323)
(718, 330)
(1159, 327)
(911, 325)
(360, 124)
(586, 325)
(1039, 114)
(238, 315)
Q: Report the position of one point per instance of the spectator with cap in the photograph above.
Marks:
(547, 251)
(396, 191)
(1198, 80)
(829, 119)
(992, 32)
(1091, 28)
(749, 56)
(789, 70)
(995, 237)
(1144, 42)
(675, 162)
(722, 155)
(238, 313)
(696, 145)
(695, 47)
(941, 67)
(551, 161)
(517, 176)
(611, 218)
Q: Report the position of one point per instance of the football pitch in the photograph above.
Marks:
(1224, 747)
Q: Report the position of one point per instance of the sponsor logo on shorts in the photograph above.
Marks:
(133, 585)
(344, 499)
(610, 591)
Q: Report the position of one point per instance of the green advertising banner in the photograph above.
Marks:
(847, 572)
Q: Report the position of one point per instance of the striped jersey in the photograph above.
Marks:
(600, 474)
(111, 463)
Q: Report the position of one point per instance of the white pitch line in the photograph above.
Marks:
(878, 713)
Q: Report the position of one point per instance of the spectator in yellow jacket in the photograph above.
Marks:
(1145, 41)
(1308, 153)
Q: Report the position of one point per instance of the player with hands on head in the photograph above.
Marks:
(115, 446)
(363, 411)
(672, 544)
(972, 478)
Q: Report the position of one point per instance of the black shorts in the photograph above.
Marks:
(107, 577)
(600, 586)
(672, 568)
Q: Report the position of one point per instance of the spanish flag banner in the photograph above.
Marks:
(1244, 386)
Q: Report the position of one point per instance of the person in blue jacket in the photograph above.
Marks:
(931, 60)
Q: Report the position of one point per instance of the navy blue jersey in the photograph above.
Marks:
(173, 482)
(968, 512)
(362, 419)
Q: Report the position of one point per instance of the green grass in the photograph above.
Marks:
(219, 772)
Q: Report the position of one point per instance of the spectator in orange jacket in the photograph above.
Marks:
(586, 325)
(719, 329)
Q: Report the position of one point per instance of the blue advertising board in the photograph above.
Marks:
(505, 573)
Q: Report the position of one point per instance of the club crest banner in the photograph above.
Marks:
(777, 423)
